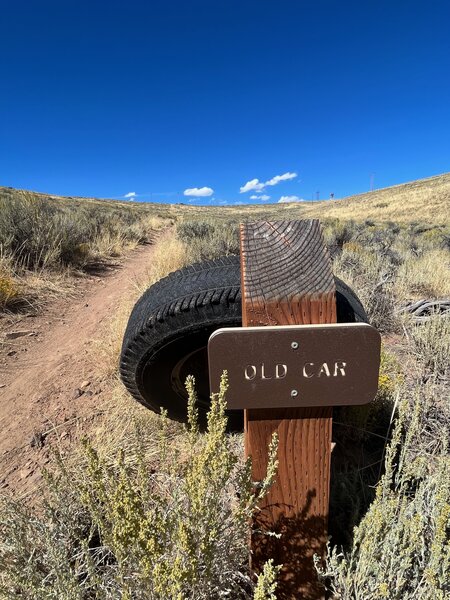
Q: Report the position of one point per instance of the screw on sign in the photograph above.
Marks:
(287, 367)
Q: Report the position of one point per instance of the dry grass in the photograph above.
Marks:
(110, 244)
(44, 241)
(426, 200)
(425, 276)
(170, 255)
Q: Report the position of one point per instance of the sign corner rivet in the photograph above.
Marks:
(294, 345)
(294, 393)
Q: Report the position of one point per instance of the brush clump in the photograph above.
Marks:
(175, 525)
(43, 241)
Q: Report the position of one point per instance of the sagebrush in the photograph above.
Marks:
(125, 527)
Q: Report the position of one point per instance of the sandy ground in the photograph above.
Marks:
(51, 387)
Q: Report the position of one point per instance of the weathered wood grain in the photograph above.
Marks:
(287, 280)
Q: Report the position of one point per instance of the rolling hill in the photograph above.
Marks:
(424, 200)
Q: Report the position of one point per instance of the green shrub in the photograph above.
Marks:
(32, 231)
(194, 230)
(123, 528)
(267, 582)
(38, 232)
(371, 273)
(360, 433)
(401, 548)
(431, 344)
(207, 240)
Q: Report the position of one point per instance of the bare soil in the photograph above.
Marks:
(51, 387)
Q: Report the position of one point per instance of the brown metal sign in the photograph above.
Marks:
(296, 365)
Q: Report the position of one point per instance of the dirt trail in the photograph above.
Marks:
(42, 372)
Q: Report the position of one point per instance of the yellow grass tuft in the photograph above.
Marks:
(169, 255)
(9, 290)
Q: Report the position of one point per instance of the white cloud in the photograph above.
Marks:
(202, 192)
(254, 184)
(278, 178)
(257, 185)
(263, 197)
(130, 195)
(291, 199)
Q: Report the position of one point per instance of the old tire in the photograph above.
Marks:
(169, 327)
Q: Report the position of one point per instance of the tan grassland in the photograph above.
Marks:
(148, 509)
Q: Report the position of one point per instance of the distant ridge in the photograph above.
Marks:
(423, 200)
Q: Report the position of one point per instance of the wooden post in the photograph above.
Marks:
(287, 280)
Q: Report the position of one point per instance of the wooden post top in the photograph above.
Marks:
(285, 264)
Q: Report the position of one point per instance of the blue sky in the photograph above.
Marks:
(302, 98)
